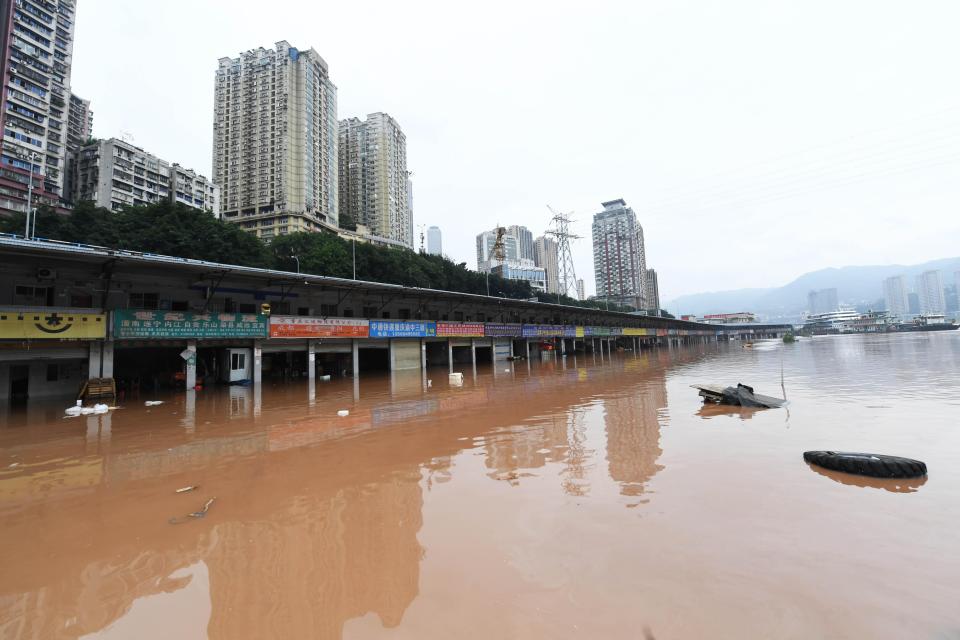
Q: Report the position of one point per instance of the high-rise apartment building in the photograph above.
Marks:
(823, 301)
(930, 292)
(115, 174)
(619, 256)
(653, 290)
(545, 256)
(375, 189)
(80, 122)
(36, 51)
(486, 242)
(434, 241)
(581, 290)
(275, 141)
(895, 296)
(524, 241)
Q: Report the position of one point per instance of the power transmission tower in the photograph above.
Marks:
(561, 232)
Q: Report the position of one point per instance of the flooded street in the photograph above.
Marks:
(585, 498)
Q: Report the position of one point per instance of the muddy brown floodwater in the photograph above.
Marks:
(576, 499)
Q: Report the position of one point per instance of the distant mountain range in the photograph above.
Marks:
(855, 286)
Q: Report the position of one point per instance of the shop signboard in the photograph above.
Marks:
(306, 327)
(569, 331)
(402, 329)
(172, 325)
(52, 325)
(500, 330)
(603, 331)
(542, 331)
(460, 329)
(634, 331)
(579, 332)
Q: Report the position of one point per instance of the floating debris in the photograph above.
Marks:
(343, 413)
(186, 489)
(196, 514)
(738, 396)
(152, 403)
(875, 465)
(456, 379)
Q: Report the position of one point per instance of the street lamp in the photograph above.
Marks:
(27, 232)
(298, 262)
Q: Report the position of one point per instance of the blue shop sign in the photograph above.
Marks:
(402, 329)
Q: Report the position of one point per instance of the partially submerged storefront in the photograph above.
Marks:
(48, 353)
(177, 349)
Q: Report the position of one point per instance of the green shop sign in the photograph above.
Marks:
(128, 323)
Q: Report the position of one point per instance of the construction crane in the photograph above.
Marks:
(499, 251)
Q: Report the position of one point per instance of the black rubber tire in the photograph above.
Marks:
(867, 464)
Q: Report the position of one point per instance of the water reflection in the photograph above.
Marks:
(316, 517)
(895, 485)
(320, 520)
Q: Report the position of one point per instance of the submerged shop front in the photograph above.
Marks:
(48, 353)
(172, 349)
(305, 346)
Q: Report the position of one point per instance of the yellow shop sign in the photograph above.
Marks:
(54, 325)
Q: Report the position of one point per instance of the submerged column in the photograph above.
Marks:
(473, 352)
(526, 344)
(311, 360)
(257, 369)
(94, 360)
(450, 354)
(191, 359)
(355, 348)
(106, 359)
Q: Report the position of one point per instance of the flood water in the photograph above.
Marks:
(576, 499)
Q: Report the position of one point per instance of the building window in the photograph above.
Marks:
(328, 309)
(143, 301)
(238, 361)
(33, 296)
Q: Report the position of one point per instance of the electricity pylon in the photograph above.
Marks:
(562, 234)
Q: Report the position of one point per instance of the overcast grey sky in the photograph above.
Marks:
(755, 140)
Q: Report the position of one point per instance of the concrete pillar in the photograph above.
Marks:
(107, 359)
(473, 352)
(511, 347)
(190, 412)
(192, 364)
(450, 354)
(423, 355)
(311, 361)
(563, 346)
(257, 371)
(95, 359)
(526, 344)
(355, 348)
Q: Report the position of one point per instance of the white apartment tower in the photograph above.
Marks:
(36, 52)
(375, 190)
(434, 241)
(525, 241)
(275, 141)
(545, 255)
(895, 296)
(930, 292)
(619, 256)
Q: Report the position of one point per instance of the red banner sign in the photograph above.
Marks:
(304, 327)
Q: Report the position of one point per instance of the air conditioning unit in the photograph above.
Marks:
(44, 273)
